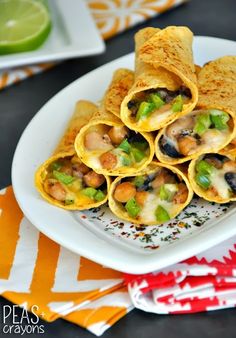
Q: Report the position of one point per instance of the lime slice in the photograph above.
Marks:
(24, 25)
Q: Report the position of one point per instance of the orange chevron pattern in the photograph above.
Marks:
(37, 271)
(111, 17)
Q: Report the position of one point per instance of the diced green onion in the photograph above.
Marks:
(132, 208)
(89, 192)
(144, 110)
(142, 145)
(155, 98)
(203, 180)
(62, 177)
(177, 105)
(202, 124)
(219, 118)
(161, 214)
(139, 181)
(99, 196)
(56, 166)
(125, 146)
(137, 154)
(204, 167)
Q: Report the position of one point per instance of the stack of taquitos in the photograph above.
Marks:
(157, 101)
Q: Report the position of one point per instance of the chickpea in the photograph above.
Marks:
(56, 190)
(94, 180)
(162, 177)
(215, 162)
(124, 192)
(80, 169)
(187, 144)
(141, 197)
(108, 160)
(118, 134)
(94, 141)
(181, 195)
(66, 168)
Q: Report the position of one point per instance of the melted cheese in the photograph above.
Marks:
(148, 211)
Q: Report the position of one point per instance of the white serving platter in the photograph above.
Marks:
(97, 234)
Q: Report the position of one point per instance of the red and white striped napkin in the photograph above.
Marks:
(202, 283)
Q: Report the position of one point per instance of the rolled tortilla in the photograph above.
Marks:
(121, 83)
(63, 180)
(110, 148)
(163, 67)
(182, 140)
(213, 177)
(185, 138)
(154, 196)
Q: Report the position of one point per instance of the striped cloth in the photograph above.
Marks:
(34, 270)
(111, 16)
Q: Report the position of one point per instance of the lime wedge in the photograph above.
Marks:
(24, 25)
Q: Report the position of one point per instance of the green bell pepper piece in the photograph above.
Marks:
(167, 191)
(177, 105)
(99, 196)
(137, 154)
(155, 98)
(125, 146)
(203, 123)
(219, 118)
(142, 145)
(132, 208)
(90, 192)
(204, 167)
(144, 110)
(62, 177)
(161, 214)
(203, 180)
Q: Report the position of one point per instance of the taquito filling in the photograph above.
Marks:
(155, 197)
(216, 174)
(110, 147)
(69, 181)
(155, 105)
(198, 131)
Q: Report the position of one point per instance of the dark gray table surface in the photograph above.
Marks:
(19, 103)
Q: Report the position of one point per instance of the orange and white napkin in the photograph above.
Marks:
(34, 270)
(111, 16)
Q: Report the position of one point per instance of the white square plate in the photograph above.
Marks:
(74, 33)
(97, 234)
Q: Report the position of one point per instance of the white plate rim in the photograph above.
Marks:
(118, 259)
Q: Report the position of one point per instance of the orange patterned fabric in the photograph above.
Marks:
(34, 270)
(111, 17)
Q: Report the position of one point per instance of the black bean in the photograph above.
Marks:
(185, 91)
(131, 104)
(230, 178)
(168, 149)
(135, 137)
(219, 157)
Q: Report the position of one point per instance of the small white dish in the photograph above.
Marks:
(74, 34)
(97, 234)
